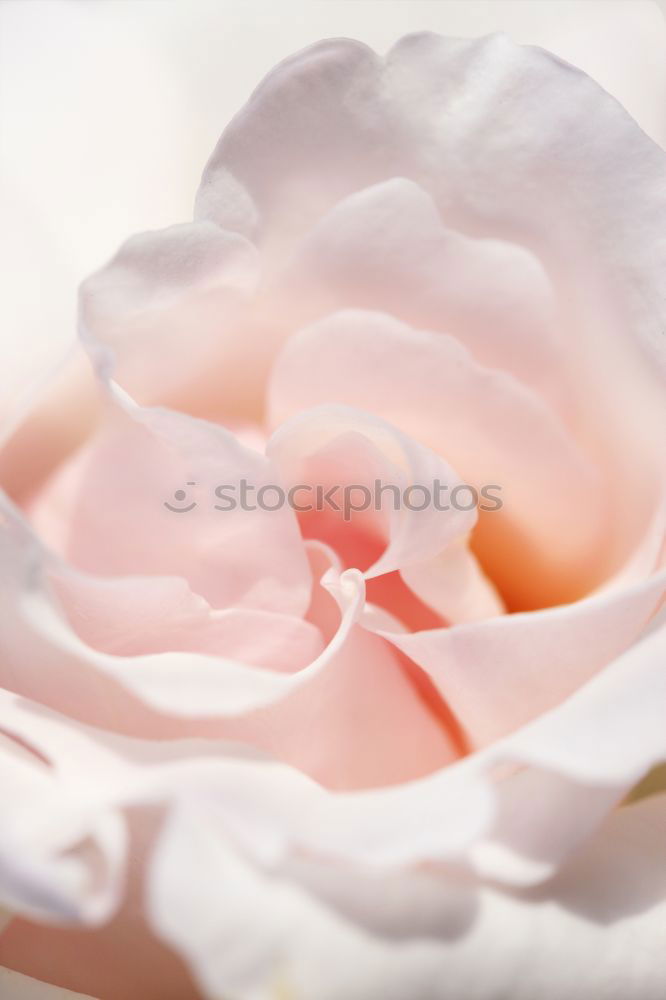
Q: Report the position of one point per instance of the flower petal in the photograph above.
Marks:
(180, 684)
(163, 314)
(386, 248)
(493, 430)
(351, 449)
(498, 674)
(61, 852)
(119, 500)
(248, 931)
(315, 117)
(464, 118)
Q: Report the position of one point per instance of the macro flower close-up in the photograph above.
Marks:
(333, 524)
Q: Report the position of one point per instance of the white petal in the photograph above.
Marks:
(321, 935)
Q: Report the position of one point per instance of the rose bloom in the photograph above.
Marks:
(253, 754)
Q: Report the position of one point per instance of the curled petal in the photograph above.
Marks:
(350, 448)
(180, 683)
(492, 429)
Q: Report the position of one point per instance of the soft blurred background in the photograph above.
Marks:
(110, 108)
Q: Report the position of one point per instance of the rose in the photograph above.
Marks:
(424, 312)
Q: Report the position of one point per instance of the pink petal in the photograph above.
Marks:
(387, 248)
(166, 308)
(45, 659)
(490, 428)
(342, 729)
(498, 674)
(112, 499)
(341, 446)
(130, 616)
